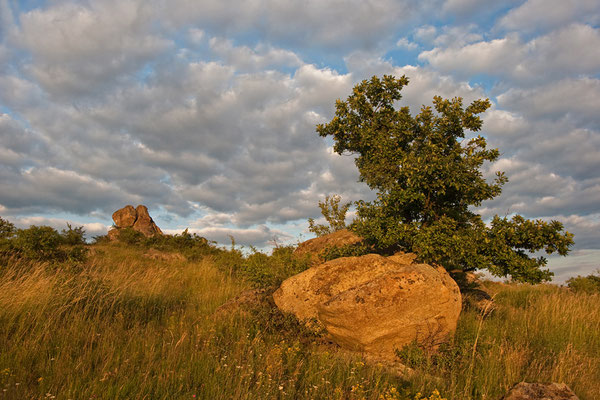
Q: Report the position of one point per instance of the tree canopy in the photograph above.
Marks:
(429, 181)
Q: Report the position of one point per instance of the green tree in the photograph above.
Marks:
(334, 214)
(428, 180)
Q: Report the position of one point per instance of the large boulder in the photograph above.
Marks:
(144, 222)
(315, 247)
(136, 218)
(125, 217)
(540, 391)
(375, 304)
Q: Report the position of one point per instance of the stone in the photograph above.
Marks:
(540, 391)
(125, 217)
(136, 218)
(113, 234)
(315, 247)
(154, 254)
(373, 304)
(144, 222)
(243, 302)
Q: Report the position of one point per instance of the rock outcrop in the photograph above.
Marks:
(144, 222)
(136, 218)
(125, 217)
(315, 247)
(375, 304)
(540, 391)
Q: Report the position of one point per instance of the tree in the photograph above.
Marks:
(428, 180)
(334, 215)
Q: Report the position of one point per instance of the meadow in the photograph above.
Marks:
(120, 325)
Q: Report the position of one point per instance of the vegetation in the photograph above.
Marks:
(428, 179)
(588, 284)
(42, 243)
(334, 215)
(122, 326)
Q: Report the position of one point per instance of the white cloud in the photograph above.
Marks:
(548, 14)
(78, 50)
(406, 44)
(570, 51)
(243, 58)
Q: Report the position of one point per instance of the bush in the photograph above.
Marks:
(42, 243)
(73, 236)
(38, 242)
(131, 236)
(586, 284)
(260, 269)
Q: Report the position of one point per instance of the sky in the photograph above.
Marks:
(205, 111)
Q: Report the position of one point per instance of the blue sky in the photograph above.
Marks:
(205, 111)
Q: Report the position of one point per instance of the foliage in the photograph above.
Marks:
(334, 215)
(259, 269)
(42, 243)
(131, 237)
(7, 229)
(428, 179)
(73, 236)
(587, 284)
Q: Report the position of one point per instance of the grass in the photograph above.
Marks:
(122, 326)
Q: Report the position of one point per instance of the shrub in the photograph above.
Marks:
(586, 284)
(42, 243)
(334, 215)
(39, 242)
(131, 236)
(73, 236)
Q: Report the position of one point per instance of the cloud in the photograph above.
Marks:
(78, 50)
(327, 24)
(244, 58)
(42, 189)
(549, 14)
(510, 58)
(548, 101)
(406, 44)
(259, 236)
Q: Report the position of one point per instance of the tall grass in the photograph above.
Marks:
(541, 333)
(122, 326)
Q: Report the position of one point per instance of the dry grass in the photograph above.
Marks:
(123, 326)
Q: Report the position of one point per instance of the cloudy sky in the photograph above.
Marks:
(205, 111)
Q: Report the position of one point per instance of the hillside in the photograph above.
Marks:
(131, 324)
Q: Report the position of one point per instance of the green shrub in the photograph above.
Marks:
(42, 243)
(131, 236)
(39, 242)
(587, 284)
(73, 236)
(259, 269)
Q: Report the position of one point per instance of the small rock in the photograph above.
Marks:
(317, 246)
(154, 254)
(540, 391)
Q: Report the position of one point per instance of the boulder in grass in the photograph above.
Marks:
(375, 304)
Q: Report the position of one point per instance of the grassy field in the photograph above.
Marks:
(122, 326)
